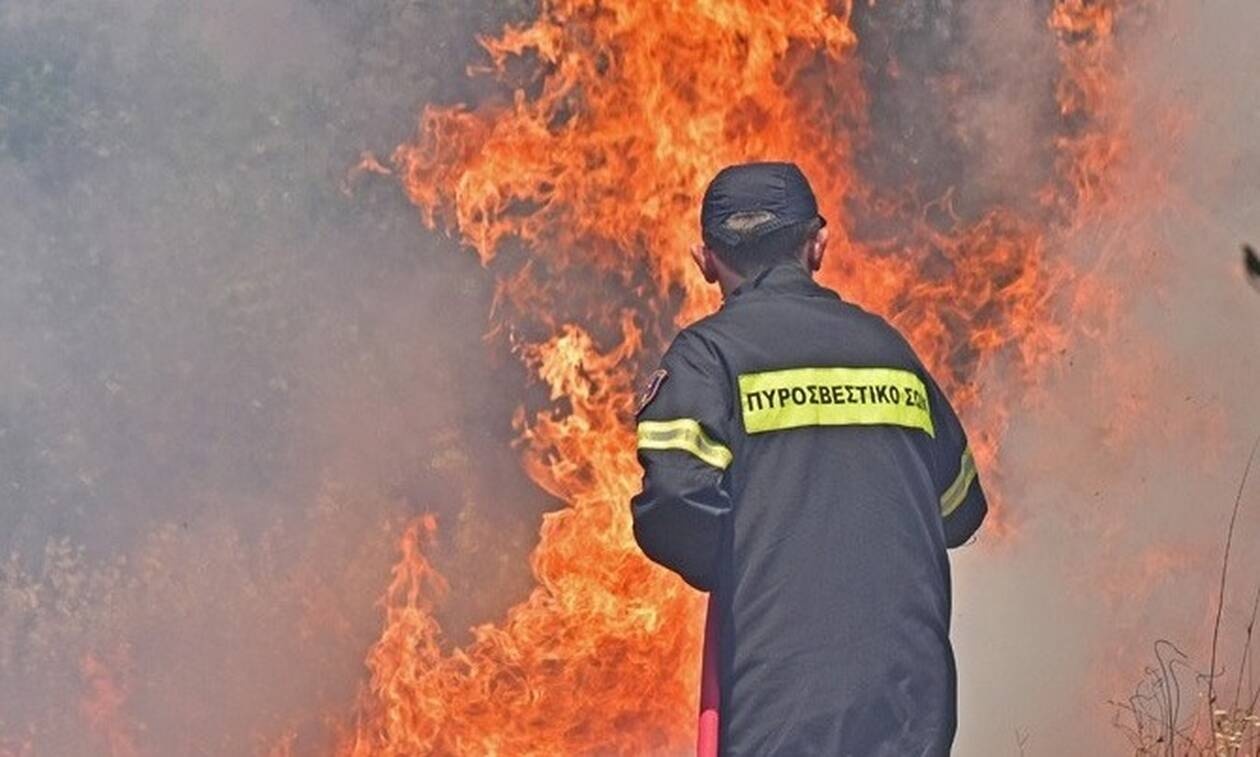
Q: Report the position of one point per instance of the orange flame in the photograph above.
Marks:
(102, 707)
(591, 174)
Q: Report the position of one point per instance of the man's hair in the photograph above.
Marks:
(755, 253)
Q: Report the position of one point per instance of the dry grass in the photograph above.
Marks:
(1222, 722)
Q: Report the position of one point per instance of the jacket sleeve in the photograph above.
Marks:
(963, 505)
(682, 428)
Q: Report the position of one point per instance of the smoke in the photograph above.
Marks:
(224, 382)
(1123, 470)
(1120, 470)
(962, 103)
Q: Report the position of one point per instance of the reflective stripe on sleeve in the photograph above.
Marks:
(957, 491)
(686, 435)
(797, 397)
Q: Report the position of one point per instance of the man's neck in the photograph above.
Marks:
(729, 280)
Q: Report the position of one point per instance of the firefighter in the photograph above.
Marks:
(802, 466)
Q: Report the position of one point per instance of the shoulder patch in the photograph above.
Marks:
(650, 390)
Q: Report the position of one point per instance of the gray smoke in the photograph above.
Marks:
(1123, 474)
(226, 375)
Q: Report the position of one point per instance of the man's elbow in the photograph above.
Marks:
(964, 521)
(678, 534)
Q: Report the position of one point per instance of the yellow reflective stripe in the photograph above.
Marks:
(777, 400)
(957, 491)
(686, 435)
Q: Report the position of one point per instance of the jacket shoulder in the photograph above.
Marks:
(704, 334)
(881, 329)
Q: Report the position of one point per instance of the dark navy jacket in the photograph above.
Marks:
(800, 463)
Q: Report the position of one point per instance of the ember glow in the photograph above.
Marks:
(579, 192)
(102, 707)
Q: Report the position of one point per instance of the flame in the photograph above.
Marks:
(102, 706)
(580, 192)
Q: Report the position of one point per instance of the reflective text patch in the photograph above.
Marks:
(796, 397)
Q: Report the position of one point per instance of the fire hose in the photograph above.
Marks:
(707, 732)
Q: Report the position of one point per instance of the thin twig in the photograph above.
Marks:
(1220, 600)
(1251, 624)
(1171, 692)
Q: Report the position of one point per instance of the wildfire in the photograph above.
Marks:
(581, 193)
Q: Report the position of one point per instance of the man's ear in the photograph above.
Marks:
(703, 258)
(816, 249)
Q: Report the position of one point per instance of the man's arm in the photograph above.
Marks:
(683, 420)
(963, 505)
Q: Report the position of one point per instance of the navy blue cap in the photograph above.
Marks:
(745, 202)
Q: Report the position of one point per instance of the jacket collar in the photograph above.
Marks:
(788, 278)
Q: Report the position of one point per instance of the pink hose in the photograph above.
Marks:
(707, 734)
